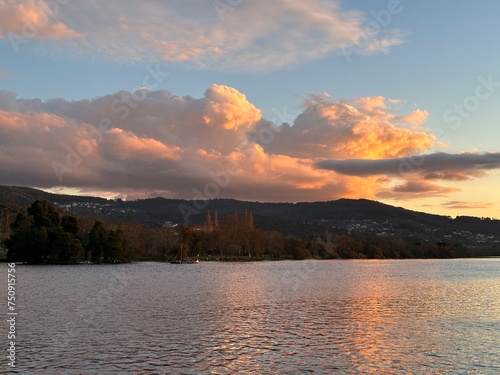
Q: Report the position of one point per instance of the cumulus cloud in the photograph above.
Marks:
(247, 35)
(154, 142)
(356, 129)
(432, 166)
(33, 19)
(149, 143)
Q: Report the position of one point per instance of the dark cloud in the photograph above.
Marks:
(414, 189)
(432, 166)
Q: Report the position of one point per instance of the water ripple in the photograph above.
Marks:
(338, 317)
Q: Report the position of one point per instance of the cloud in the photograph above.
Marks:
(415, 118)
(460, 205)
(348, 129)
(154, 142)
(415, 189)
(432, 166)
(420, 187)
(454, 175)
(149, 143)
(125, 146)
(244, 36)
(33, 19)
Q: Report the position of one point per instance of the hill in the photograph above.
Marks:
(305, 218)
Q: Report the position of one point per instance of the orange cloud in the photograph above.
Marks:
(32, 19)
(339, 130)
(229, 108)
(12, 122)
(371, 104)
(416, 118)
(126, 145)
(179, 147)
(244, 36)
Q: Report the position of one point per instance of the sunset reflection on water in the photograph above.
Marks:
(324, 317)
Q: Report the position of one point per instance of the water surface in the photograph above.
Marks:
(318, 317)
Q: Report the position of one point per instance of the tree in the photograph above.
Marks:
(70, 224)
(40, 237)
(44, 214)
(108, 246)
(297, 247)
(97, 242)
(274, 244)
(114, 250)
(18, 242)
(208, 223)
(4, 227)
(216, 220)
(67, 248)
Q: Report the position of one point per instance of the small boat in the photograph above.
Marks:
(180, 259)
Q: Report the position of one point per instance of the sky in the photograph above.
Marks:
(395, 100)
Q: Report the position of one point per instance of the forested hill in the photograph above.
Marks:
(19, 197)
(343, 214)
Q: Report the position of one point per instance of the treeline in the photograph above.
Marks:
(234, 237)
(371, 246)
(45, 236)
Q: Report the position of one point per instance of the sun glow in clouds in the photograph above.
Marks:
(172, 146)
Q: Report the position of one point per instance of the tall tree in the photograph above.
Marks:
(97, 241)
(70, 224)
(39, 237)
(216, 220)
(208, 223)
(44, 214)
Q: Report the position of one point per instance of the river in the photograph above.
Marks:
(287, 317)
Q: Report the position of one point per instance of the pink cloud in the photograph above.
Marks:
(126, 145)
(246, 36)
(337, 129)
(33, 19)
(460, 205)
(416, 118)
(180, 146)
(415, 189)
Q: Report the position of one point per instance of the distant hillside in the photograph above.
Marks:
(343, 215)
(18, 197)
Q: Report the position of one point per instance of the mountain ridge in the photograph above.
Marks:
(291, 218)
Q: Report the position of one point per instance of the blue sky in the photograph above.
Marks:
(436, 56)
